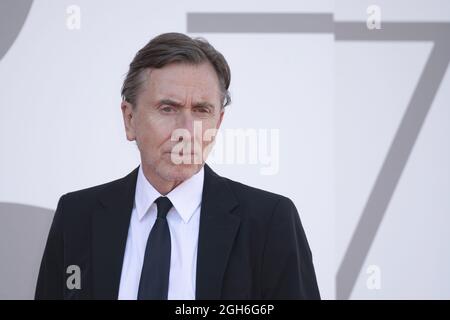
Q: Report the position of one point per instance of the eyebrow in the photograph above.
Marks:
(174, 103)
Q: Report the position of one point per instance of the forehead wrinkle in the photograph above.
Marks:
(177, 90)
(190, 98)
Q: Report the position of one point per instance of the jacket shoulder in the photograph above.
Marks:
(244, 191)
(258, 203)
(93, 192)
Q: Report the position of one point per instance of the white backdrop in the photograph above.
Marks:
(336, 104)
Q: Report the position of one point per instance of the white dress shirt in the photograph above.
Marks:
(183, 219)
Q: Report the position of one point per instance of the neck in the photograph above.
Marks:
(161, 185)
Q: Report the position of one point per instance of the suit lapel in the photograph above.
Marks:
(110, 229)
(218, 228)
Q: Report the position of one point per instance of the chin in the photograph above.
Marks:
(183, 172)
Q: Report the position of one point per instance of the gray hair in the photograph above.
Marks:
(174, 48)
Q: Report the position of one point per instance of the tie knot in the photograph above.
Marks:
(163, 204)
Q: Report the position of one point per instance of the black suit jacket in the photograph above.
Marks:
(251, 243)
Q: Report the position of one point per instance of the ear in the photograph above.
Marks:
(128, 120)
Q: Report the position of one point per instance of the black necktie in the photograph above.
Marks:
(154, 282)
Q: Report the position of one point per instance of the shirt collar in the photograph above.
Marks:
(186, 197)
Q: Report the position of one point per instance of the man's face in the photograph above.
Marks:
(174, 100)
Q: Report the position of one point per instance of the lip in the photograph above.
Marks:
(177, 153)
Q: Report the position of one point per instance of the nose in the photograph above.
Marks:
(191, 132)
(186, 121)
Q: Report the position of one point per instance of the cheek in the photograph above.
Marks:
(208, 130)
(152, 133)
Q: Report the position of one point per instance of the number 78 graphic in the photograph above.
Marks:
(411, 123)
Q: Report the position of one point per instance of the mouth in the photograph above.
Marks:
(180, 153)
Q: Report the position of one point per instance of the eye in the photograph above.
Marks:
(167, 109)
(202, 110)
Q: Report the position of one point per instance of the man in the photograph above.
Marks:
(173, 228)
